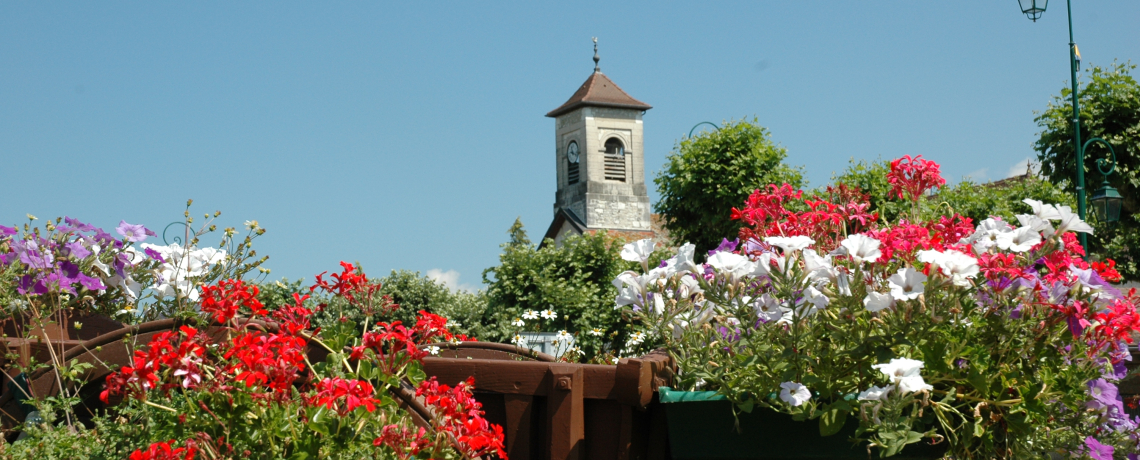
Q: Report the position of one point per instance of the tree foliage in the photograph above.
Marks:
(1110, 109)
(706, 175)
(574, 280)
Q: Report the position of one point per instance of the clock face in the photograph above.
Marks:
(572, 152)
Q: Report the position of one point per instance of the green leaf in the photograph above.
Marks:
(832, 421)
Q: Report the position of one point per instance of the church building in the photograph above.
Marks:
(598, 153)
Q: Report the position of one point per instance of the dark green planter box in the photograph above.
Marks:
(701, 426)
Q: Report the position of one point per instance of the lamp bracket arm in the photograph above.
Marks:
(1100, 161)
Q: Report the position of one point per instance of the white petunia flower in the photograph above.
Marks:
(1042, 210)
(1071, 222)
(794, 393)
(433, 350)
(790, 243)
(907, 284)
(905, 373)
(734, 265)
(862, 248)
(1037, 224)
(768, 309)
(986, 233)
(683, 261)
(820, 270)
(638, 251)
(957, 266)
(875, 393)
(1020, 240)
(877, 302)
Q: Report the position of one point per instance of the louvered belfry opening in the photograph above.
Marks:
(615, 160)
(572, 173)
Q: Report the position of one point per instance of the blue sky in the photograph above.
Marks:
(412, 135)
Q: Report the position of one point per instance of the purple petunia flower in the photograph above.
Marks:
(7, 231)
(91, 283)
(77, 250)
(1097, 450)
(76, 224)
(33, 254)
(103, 238)
(133, 233)
(725, 246)
(1104, 394)
(31, 286)
(156, 256)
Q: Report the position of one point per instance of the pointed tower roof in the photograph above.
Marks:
(599, 91)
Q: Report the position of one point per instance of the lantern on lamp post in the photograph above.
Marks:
(1033, 8)
(1106, 200)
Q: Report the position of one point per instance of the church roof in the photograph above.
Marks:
(599, 91)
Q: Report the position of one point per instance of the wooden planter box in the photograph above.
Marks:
(555, 411)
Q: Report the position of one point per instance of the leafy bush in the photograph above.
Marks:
(572, 280)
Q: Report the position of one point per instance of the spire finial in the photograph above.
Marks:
(596, 58)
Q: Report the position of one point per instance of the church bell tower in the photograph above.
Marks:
(599, 162)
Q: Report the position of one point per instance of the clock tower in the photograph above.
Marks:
(598, 153)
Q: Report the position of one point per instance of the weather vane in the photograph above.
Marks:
(596, 58)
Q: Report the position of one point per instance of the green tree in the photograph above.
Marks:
(707, 175)
(573, 279)
(1110, 109)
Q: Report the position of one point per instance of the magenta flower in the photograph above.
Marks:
(133, 233)
(1097, 450)
(7, 231)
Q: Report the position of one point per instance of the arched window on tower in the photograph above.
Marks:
(572, 161)
(615, 159)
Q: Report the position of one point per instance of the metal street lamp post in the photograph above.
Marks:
(1033, 9)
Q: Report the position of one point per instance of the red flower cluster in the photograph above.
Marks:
(460, 415)
(1119, 322)
(824, 221)
(163, 451)
(355, 287)
(273, 361)
(184, 361)
(355, 393)
(1107, 270)
(224, 300)
(911, 177)
(406, 443)
(903, 240)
